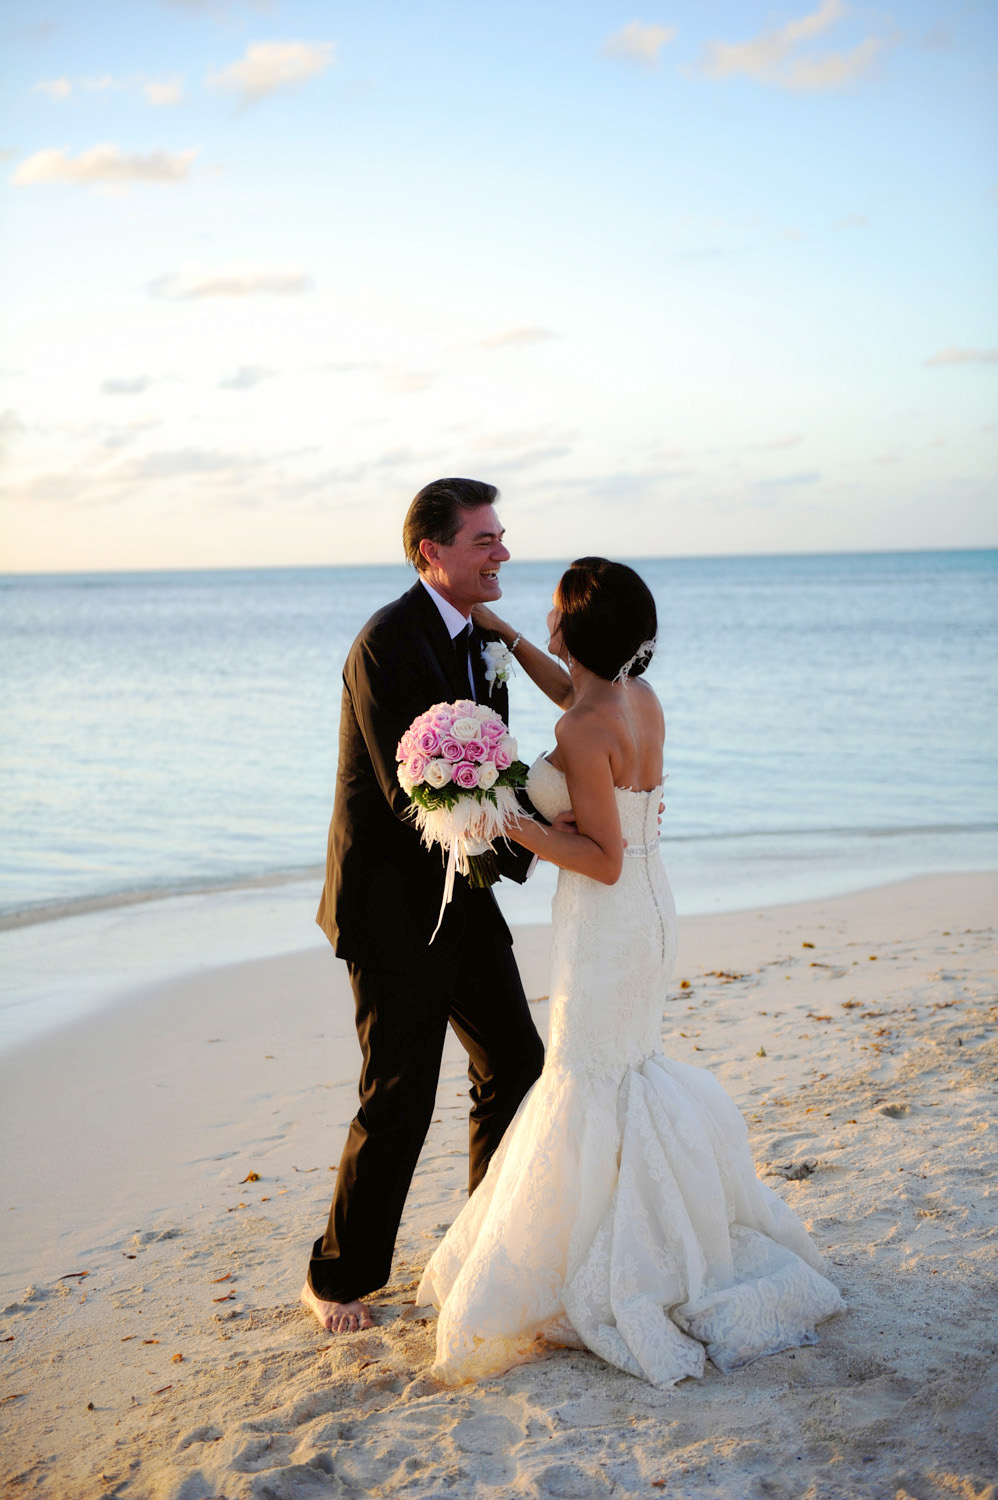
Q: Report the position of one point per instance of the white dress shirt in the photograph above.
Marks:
(454, 620)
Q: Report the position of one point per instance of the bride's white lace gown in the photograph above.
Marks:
(622, 1212)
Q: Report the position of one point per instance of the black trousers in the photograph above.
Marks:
(403, 1011)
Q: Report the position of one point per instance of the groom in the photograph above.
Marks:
(382, 895)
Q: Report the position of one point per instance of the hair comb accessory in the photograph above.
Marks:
(643, 653)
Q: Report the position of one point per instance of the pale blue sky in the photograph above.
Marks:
(698, 278)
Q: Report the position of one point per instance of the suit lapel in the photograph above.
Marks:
(478, 667)
(438, 643)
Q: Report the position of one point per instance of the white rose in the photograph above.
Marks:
(483, 714)
(437, 773)
(465, 728)
(405, 780)
(508, 743)
(487, 775)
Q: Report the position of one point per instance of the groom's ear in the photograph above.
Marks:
(428, 550)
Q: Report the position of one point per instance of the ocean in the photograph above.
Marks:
(832, 723)
(830, 719)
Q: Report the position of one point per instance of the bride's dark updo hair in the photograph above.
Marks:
(607, 613)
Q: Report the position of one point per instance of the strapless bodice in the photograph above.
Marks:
(548, 791)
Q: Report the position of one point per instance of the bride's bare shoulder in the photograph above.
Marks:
(647, 701)
(585, 727)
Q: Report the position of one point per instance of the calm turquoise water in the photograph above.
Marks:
(832, 722)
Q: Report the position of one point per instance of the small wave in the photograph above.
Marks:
(925, 830)
(77, 906)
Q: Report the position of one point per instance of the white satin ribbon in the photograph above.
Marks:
(457, 861)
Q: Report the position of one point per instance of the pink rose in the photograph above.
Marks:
(464, 708)
(406, 746)
(440, 717)
(451, 749)
(465, 776)
(493, 731)
(428, 741)
(501, 759)
(475, 751)
(416, 765)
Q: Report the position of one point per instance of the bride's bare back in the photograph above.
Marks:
(623, 722)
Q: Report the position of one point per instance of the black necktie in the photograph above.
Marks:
(461, 643)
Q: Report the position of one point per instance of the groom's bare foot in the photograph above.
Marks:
(337, 1317)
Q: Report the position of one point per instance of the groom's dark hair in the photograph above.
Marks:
(435, 514)
(607, 613)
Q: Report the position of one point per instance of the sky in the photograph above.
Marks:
(705, 277)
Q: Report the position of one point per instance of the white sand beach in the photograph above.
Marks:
(168, 1160)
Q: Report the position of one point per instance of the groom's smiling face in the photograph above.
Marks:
(466, 570)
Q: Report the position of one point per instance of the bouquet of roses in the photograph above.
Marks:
(458, 766)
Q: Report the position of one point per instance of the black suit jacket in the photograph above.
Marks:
(383, 887)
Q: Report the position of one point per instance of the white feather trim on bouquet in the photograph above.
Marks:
(458, 766)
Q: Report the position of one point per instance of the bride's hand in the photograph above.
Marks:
(487, 619)
(565, 822)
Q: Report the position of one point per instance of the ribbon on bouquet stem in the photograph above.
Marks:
(457, 861)
(466, 829)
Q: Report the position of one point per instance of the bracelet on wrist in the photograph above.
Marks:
(515, 642)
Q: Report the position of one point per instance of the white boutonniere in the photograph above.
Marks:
(498, 661)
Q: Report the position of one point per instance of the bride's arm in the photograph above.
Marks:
(597, 849)
(549, 675)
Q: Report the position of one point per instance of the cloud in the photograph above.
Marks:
(394, 458)
(703, 252)
(68, 484)
(852, 221)
(529, 459)
(638, 43)
(61, 88)
(120, 437)
(525, 333)
(788, 481)
(176, 462)
(781, 443)
(56, 88)
(269, 67)
(401, 382)
(162, 95)
(167, 92)
(776, 58)
(194, 282)
(215, 7)
(132, 385)
(517, 437)
(245, 378)
(628, 487)
(957, 356)
(833, 71)
(10, 426)
(104, 164)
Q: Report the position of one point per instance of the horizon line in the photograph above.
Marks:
(403, 563)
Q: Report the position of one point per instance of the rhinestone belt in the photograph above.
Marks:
(640, 851)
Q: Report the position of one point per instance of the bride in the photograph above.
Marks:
(621, 1213)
